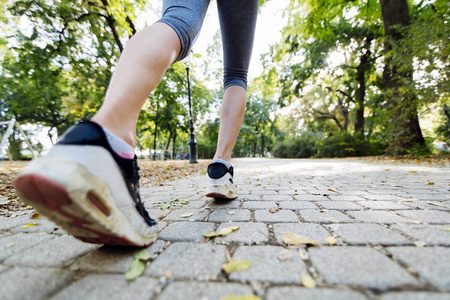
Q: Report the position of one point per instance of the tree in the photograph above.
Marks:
(405, 132)
(57, 73)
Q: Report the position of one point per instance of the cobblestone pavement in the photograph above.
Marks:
(390, 220)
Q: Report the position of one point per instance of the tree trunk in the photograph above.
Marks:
(174, 143)
(262, 145)
(404, 129)
(155, 135)
(168, 140)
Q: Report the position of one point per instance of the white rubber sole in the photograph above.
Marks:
(65, 186)
(221, 191)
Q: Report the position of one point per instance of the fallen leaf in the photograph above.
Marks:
(231, 212)
(273, 210)
(222, 233)
(331, 220)
(142, 254)
(172, 201)
(29, 225)
(236, 265)
(446, 229)
(331, 190)
(419, 243)
(136, 269)
(412, 171)
(331, 240)
(435, 204)
(240, 297)
(167, 274)
(430, 183)
(294, 239)
(308, 281)
(35, 216)
(187, 215)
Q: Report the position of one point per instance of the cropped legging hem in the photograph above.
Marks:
(237, 23)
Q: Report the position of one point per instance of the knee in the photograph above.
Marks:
(186, 23)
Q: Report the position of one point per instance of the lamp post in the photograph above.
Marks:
(192, 142)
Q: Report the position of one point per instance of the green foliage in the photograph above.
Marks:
(345, 144)
(311, 144)
(303, 146)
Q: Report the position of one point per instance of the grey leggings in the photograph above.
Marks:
(237, 24)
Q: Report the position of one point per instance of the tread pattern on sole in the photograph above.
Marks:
(52, 200)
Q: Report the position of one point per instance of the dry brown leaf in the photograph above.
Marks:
(167, 274)
(273, 210)
(295, 239)
(331, 240)
(35, 216)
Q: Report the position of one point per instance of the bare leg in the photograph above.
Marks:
(231, 117)
(140, 69)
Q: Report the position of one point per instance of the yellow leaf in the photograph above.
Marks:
(430, 183)
(225, 231)
(419, 243)
(29, 225)
(236, 265)
(240, 297)
(446, 229)
(294, 239)
(308, 281)
(412, 171)
(222, 233)
(331, 240)
(435, 204)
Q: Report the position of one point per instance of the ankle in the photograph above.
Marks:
(128, 136)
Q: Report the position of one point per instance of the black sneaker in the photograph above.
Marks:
(220, 183)
(90, 191)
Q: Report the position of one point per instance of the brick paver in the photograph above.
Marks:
(391, 230)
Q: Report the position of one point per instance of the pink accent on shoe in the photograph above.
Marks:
(126, 155)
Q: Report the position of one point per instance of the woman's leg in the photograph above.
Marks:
(143, 63)
(140, 69)
(237, 23)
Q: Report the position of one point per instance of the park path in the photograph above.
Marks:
(390, 221)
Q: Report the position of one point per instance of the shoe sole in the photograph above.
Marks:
(222, 191)
(81, 204)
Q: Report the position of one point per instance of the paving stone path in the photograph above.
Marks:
(391, 223)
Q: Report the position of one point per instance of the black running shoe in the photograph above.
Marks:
(90, 191)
